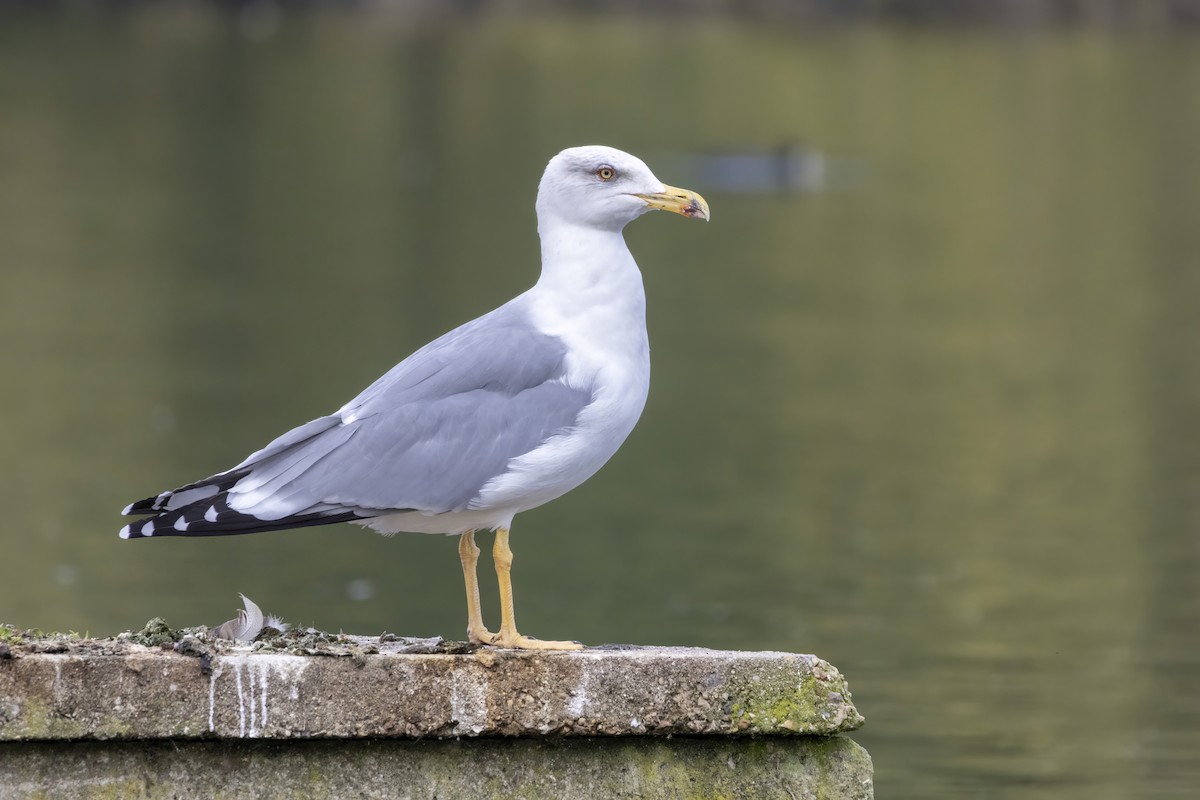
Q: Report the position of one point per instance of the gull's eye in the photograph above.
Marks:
(606, 173)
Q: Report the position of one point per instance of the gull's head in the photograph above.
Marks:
(602, 187)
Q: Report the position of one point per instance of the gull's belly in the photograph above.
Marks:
(569, 458)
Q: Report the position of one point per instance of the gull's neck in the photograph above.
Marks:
(584, 268)
(590, 294)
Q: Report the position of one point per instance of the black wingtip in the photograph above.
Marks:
(140, 508)
(213, 517)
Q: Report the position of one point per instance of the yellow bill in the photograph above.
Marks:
(680, 201)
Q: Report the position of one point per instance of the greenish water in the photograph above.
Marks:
(940, 425)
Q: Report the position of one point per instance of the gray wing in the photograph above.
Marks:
(426, 436)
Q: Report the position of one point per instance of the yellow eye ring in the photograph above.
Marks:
(606, 173)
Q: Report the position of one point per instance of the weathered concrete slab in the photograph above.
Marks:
(829, 768)
(117, 689)
(167, 713)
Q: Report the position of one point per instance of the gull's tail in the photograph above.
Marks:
(203, 508)
(209, 514)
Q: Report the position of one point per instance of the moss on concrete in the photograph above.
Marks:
(774, 701)
(156, 633)
(37, 641)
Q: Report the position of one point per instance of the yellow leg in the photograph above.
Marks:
(508, 636)
(468, 553)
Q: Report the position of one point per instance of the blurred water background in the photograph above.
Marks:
(926, 392)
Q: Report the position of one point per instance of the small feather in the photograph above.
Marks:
(245, 626)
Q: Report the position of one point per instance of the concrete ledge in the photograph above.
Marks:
(181, 714)
(112, 689)
(829, 768)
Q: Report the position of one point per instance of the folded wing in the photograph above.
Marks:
(424, 437)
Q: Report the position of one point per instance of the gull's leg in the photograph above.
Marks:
(468, 553)
(508, 636)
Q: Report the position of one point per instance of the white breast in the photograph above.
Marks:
(599, 311)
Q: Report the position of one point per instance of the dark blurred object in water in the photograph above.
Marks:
(787, 168)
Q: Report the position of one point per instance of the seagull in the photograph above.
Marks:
(498, 416)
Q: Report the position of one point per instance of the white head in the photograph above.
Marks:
(605, 188)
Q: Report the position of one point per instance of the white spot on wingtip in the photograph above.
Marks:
(148, 528)
(127, 509)
(124, 532)
(211, 514)
(181, 524)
